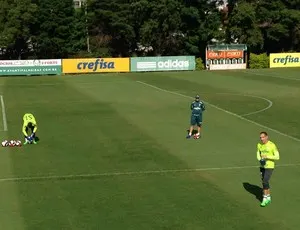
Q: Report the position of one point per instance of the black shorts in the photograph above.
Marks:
(196, 120)
(31, 128)
(266, 176)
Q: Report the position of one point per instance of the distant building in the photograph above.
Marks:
(78, 3)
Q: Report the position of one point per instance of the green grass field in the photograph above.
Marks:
(113, 155)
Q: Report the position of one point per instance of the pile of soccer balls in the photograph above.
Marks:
(11, 143)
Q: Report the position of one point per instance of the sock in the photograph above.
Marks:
(268, 197)
(190, 134)
(265, 197)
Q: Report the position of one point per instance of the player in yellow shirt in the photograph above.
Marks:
(29, 124)
(267, 154)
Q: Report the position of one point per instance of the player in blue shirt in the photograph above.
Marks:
(197, 108)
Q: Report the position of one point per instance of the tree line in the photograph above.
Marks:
(121, 28)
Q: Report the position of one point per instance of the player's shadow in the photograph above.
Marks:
(193, 133)
(254, 190)
(37, 139)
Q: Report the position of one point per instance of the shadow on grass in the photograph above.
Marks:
(194, 131)
(254, 190)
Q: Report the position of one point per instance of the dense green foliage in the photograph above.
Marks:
(259, 61)
(54, 28)
(199, 64)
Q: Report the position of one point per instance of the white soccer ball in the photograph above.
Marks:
(12, 143)
(5, 143)
(196, 136)
(18, 143)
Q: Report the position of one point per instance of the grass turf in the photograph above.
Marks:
(110, 123)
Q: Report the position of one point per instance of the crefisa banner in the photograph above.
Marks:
(284, 60)
(95, 65)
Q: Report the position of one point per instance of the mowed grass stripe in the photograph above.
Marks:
(157, 202)
(275, 80)
(11, 216)
(284, 73)
(129, 173)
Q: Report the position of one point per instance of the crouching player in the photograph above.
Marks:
(197, 108)
(29, 128)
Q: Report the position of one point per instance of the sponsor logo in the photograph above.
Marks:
(97, 64)
(161, 63)
(285, 60)
(173, 64)
(234, 54)
(146, 65)
(169, 64)
(224, 54)
(45, 62)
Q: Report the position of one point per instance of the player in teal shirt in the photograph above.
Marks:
(197, 108)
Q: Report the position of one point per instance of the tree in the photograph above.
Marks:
(162, 29)
(54, 30)
(280, 23)
(202, 25)
(265, 26)
(16, 20)
(79, 34)
(109, 22)
(243, 26)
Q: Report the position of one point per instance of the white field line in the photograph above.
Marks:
(223, 110)
(270, 103)
(130, 173)
(3, 114)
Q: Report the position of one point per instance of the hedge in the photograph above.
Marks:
(199, 64)
(259, 61)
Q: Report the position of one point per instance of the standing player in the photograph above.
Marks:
(267, 153)
(29, 123)
(197, 108)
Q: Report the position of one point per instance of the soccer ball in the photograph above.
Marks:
(5, 143)
(12, 143)
(18, 143)
(196, 136)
